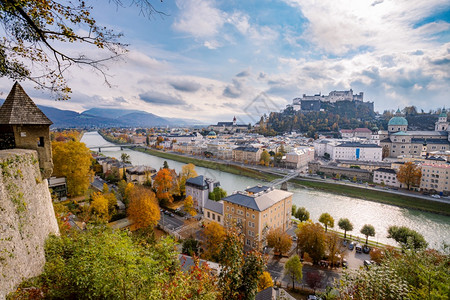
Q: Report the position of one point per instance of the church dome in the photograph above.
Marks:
(443, 114)
(398, 121)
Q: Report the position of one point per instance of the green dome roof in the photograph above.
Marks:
(211, 133)
(443, 113)
(398, 121)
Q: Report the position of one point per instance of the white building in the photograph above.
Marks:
(299, 157)
(199, 188)
(386, 176)
(356, 151)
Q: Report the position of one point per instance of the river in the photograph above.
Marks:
(435, 228)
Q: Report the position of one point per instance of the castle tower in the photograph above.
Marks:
(234, 121)
(441, 124)
(24, 125)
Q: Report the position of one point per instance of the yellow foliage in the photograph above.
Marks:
(128, 189)
(163, 183)
(189, 206)
(73, 160)
(214, 235)
(99, 206)
(143, 209)
(112, 200)
(265, 281)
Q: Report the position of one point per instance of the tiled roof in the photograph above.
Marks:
(258, 202)
(247, 149)
(197, 181)
(385, 170)
(19, 109)
(354, 144)
(429, 141)
(257, 189)
(215, 206)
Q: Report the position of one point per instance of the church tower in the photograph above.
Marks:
(442, 124)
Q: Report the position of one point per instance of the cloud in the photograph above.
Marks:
(243, 74)
(234, 90)
(185, 86)
(157, 98)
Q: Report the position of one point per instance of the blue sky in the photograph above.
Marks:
(209, 60)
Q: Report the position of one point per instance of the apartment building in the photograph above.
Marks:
(299, 157)
(386, 176)
(257, 210)
(247, 154)
(435, 177)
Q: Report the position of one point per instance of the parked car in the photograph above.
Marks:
(436, 196)
(366, 249)
(344, 243)
(313, 297)
(294, 238)
(351, 246)
(358, 248)
(367, 263)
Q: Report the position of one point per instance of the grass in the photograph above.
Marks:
(345, 190)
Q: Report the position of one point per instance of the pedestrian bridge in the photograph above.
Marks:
(283, 181)
(121, 146)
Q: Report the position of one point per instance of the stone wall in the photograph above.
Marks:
(26, 218)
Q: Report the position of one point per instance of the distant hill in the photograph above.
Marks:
(109, 117)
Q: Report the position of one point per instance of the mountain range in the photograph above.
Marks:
(109, 117)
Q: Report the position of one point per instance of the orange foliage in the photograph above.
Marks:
(143, 209)
(163, 184)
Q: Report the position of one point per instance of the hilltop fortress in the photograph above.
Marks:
(314, 103)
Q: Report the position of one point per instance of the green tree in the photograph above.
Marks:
(407, 237)
(293, 268)
(165, 165)
(125, 158)
(35, 33)
(302, 214)
(345, 225)
(327, 220)
(293, 209)
(217, 194)
(191, 247)
(240, 271)
(368, 230)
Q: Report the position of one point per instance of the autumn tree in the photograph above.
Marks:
(327, 220)
(368, 230)
(345, 225)
(409, 174)
(214, 234)
(407, 237)
(265, 158)
(35, 33)
(72, 160)
(143, 208)
(189, 206)
(302, 214)
(293, 269)
(312, 240)
(333, 246)
(314, 279)
(240, 272)
(99, 207)
(265, 281)
(163, 183)
(279, 240)
(187, 171)
(217, 194)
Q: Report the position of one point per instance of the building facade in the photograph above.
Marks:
(387, 177)
(199, 188)
(247, 154)
(257, 210)
(435, 177)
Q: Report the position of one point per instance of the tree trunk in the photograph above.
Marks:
(345, 234)
(367, 239)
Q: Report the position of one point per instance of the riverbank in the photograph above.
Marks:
(229, 168)
(345, 190)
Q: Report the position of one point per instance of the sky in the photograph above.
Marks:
(210, 60)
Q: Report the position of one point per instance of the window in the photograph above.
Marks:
(253, 216)
(208, 215)
(248, 242)
(218, 218)
(40, 141)
(214, 217)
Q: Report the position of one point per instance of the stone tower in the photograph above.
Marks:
(441, 124)
(24, 125)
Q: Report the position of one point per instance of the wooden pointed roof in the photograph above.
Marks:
(19, 109)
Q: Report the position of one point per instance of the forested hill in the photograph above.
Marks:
(340, 115)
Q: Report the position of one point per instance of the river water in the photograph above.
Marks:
(435, 228)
